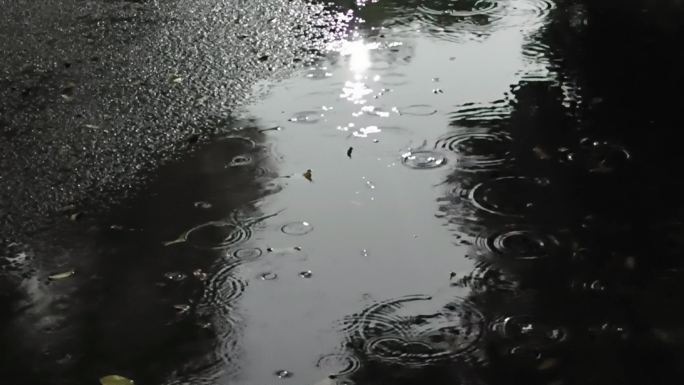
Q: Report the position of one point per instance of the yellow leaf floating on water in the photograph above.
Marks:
(57, 276)
(115, 380)
(308, 175)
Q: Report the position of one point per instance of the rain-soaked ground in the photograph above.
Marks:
(445, 192)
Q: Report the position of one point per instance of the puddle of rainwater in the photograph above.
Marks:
(452, 244)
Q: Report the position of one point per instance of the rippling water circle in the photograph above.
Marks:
(478, 151)
(297, 228)
(510, 196)
(338, 364)
(416, 330)
(216, 235)
(520, 244)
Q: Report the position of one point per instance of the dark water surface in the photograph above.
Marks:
(459, 192)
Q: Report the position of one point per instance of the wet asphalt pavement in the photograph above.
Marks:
(96, 93)
(391, 192)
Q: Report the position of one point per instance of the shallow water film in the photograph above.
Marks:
(475, 192)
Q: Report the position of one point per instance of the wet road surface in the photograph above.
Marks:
(466, 192)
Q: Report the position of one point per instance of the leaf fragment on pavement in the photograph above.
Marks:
(115, 380)
(63, 275)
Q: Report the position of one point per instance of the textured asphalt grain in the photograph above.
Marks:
(94, 94)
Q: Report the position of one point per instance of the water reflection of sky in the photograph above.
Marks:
(380, 91)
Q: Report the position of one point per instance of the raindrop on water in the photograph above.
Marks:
(297, 228)
(174, 276)
(306, 274)
(282, 373)
(268, 276)
(423, 159)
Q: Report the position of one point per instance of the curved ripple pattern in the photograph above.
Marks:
(223, 287)
(478, 151)
(416, 330)
(214, 235)
(297, 228)
(338, 364)
(509, 196)
(475, 113)
(599, 157)
(458, 8)
(518, 244)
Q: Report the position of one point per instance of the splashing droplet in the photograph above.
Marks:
(423, 160)
(306, 274)
(282, 373)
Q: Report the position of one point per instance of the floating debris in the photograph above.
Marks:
(116, 380)
(58, 276)
(308, 175)
(349, 152)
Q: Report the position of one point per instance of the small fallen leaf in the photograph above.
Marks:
(91, 126)
(58, 276)
(75, 216)
(308, 175)
(349, 152)
(176, 79)
(452, 275)
(115, 380)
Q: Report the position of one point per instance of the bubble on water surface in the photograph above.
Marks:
(423, 159)
(297, 228)
(268, 276)
(247, 255)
